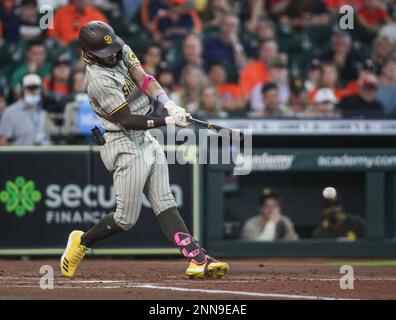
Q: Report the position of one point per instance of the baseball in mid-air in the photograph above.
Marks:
(329, 193)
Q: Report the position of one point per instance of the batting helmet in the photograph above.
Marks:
(99, 39)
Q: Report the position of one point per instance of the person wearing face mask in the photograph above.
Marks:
(22, 123)
(337, 224)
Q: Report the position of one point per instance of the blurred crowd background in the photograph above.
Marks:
(218, 58)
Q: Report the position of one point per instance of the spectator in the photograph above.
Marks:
(79, 117)
(364, 104)
(279, 75)
(298, 97)
(215, 11)
(210, 104)
(387, 87)
(231, 95)
(368, 67)
(335, 5)
(251, 41)
(314, 73)
(270, 224)
(382, 50)
(36, 55)
(69, 19)
(329, 79)
(23, 122)
(273, 108)
(226, 47)
(152, 58)
(324, 105)
(150, 9)
(343, 56)
(257, 71)
(192, 81)
(175, 23)
(57, 82)
(167, 80)
(337, 224)
(29, 28)
(9, 22)
(371, 16)
(192, 53)
(252, 13)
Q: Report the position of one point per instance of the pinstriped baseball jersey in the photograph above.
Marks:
(111, 89)
(135, 158)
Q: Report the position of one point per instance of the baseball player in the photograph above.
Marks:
(121, 92)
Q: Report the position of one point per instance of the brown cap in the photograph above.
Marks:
(99, 39)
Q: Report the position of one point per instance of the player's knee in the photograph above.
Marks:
(123, 223)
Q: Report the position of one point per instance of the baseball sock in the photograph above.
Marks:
(103, 229)
(174, 228)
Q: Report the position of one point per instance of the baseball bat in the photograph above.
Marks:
(215, 127)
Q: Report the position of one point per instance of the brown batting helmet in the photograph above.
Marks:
(99, 39)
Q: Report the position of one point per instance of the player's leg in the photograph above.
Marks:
(130, 173)
(157, 190)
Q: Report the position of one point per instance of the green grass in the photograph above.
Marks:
(374, 263)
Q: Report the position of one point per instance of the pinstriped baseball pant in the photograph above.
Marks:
(139, 167)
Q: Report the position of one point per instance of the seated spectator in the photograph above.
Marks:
(364, 104)
(279, 74)
(314, 74)
(57, 81)
(257, 72)
(329, 79)
(79, 117)
(231, 95)
(36, 55)
(69, 19)
(215, 11)
(273, 108)
(175, 23)
(337, 224)
(368, 67)
(192, 53)
(371, 17)
(226, 47)
(210, 104)
(192, 81)
(298, 97)
(150, 9)
(167, 80)
(22, 123)
(9, 22)
(29, 28)
(324, 105)
(387, 87)
(382, 50)
(342, 56)
(270, 224)
(264, 31)
(152, 58)
(251, 14)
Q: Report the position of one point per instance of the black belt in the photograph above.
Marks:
(113, 131)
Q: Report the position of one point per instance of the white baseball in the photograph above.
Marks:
(329, 193)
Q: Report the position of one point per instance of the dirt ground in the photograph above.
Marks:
(165, 279)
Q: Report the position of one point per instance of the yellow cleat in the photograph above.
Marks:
(73, 254)
(209, 269)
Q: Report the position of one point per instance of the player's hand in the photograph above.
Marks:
(179, 119)
(173, 108)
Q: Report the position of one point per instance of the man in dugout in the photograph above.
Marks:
(270, 224)
(336, 223)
